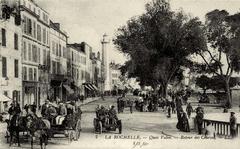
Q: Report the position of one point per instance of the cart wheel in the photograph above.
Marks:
(100, 127)
(95, 125)
(7, 136)
(71, 136)
(78, 130)
(120, 126)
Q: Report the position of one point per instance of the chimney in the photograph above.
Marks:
(57, 25)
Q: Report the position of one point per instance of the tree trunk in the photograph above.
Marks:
(164, 89)
(228, 92)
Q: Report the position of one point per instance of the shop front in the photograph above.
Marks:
(30, 93)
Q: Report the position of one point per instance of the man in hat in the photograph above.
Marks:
(44, 108)
(233, 125)
(112, 115)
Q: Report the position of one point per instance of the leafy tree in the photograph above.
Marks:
(159, 44)
(222, 57)
(215, 83)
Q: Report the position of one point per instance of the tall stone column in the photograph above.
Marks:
(105, 61)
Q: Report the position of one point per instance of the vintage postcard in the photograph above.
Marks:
(119, 74)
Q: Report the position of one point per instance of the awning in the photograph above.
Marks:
(90, 86)
(87, 87)
(4, 98)
(94, 86)
(70, 91)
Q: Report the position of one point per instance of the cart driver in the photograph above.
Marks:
(112, 115)
(102, 115)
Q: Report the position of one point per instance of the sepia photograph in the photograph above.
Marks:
(119, 74)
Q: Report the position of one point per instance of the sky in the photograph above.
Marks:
(88, 20)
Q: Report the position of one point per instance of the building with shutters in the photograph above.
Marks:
(77, 67)
(10, 54)
(59, 79)
(35, 52)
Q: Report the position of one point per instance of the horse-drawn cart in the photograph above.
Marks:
(70, 126)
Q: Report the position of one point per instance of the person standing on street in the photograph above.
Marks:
(199, 118)
(233, 125)
(189, 110)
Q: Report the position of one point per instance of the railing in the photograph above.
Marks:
(221, 128)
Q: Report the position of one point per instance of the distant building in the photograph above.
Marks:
(115, 74)
(59, 80)
(77, 67)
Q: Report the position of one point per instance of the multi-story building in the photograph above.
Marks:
(90, 88)
(115, 74)
(77, 67)
(35, 45)
(10, 52)
(59, 80)
(96, 72)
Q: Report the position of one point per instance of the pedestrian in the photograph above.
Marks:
(44, 108)
(173, 106)
(233, 125)
(169, 111)
(34, 107)
(185, 123)
(118, 105)
(189, 110)
(199, 121)
(225, 110)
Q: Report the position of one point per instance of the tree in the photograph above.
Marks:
(215, 83)
(222, 57)
(159, 44)
(203, 82)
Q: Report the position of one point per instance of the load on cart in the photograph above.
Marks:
(64, 118)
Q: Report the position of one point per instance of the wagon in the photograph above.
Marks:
(70, 127)
(101, 126)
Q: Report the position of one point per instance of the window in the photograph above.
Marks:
(58, 68)
(34, 29)
(38, 56)
(60, 50)
(56, 49)
(35, 74)
(29, 52)
(44, 57)
(29, 26)
(53, 67)
(44, 35)
(24, 50)
(53, 47)
(39, 32)
(15, 41)
(4, 37)
(64, 52)
(25, 24)
(30, 74)
(16, 68)
(4, 67)
(34, 53)
(24, 71)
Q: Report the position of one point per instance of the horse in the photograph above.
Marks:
(38, 128)
(16, 125)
